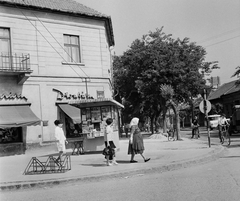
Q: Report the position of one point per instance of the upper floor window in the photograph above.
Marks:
(4, 41)
(100, 94)
(72, 48)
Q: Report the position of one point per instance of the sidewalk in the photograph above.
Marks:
(165, 156)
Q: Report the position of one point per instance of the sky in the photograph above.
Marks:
(213, 24)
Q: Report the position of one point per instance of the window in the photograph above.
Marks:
(72, 48)
(100, 94)
(9, 135)
(4, 47)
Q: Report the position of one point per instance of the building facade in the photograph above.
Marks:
(54, 53)
(228, 95)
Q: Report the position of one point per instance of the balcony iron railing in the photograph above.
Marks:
(15, 63)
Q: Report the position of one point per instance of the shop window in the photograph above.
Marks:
(9, 135)
(106, 112)
(72, 49)
(96, 115)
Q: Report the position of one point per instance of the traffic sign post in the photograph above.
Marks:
(205, 107)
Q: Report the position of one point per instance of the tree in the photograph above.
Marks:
(159, 59)
(237, 73)
(168, 94)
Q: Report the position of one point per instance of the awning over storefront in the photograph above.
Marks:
(96, 102)
(17, 116)
(72, 112)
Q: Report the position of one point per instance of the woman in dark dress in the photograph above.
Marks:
(136, 145)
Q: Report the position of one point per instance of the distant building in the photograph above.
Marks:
(55, 63)
(228, 95)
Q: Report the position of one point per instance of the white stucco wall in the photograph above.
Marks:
(49, 70)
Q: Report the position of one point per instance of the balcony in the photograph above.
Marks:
(18, 65)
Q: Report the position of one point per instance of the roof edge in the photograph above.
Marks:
(107, 19)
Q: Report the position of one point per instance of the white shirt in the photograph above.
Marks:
(108, 133)
(59, 135)
(222, 121)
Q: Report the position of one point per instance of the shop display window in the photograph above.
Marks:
(9, 135)
(96, 115)
(93, 119)
(106, 112)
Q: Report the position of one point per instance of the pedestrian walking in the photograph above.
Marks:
(136, 145)
(195, 127)
(110, 153)
(61, 139)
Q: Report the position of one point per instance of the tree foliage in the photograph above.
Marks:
(237, 73)
(152, 61)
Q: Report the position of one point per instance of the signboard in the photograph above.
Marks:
(201, 106)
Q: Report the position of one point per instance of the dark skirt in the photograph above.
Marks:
(137, 147)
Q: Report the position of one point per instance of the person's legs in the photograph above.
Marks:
(220, 133)
(60, 156)
(114, 158)
(132, 158)
(145, 160)
(108, 161)
(192, 133)
(126, 132)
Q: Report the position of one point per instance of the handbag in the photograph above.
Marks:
(105, 151)
(108, 151)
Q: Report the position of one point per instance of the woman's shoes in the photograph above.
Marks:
(146, 160)
(115, 163)
(133, 161)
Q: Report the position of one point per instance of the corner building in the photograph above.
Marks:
(55, 63)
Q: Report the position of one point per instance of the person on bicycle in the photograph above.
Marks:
(195, 125)
(222, 123)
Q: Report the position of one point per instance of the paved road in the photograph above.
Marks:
(214, 181)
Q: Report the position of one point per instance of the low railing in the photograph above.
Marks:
(15, 63)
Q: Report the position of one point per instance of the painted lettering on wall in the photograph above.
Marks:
(67, 96)
(12, 96)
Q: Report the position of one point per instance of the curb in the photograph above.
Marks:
(213, 155)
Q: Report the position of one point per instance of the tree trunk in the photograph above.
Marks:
(152, 120)
(177, 126)
(164, 111)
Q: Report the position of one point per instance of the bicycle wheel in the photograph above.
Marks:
(223, 139)
(228, 138)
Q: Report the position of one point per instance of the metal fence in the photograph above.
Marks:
(12, 63)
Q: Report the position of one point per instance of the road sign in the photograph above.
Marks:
(201, 106)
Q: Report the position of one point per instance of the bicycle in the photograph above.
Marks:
(225, 135)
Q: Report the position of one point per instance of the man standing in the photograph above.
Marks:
(195, 129)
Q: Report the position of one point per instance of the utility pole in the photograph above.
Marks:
(206, 114)
(85, 80)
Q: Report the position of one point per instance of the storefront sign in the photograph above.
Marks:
(12, 96)
(67, 96)
(6, 99)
